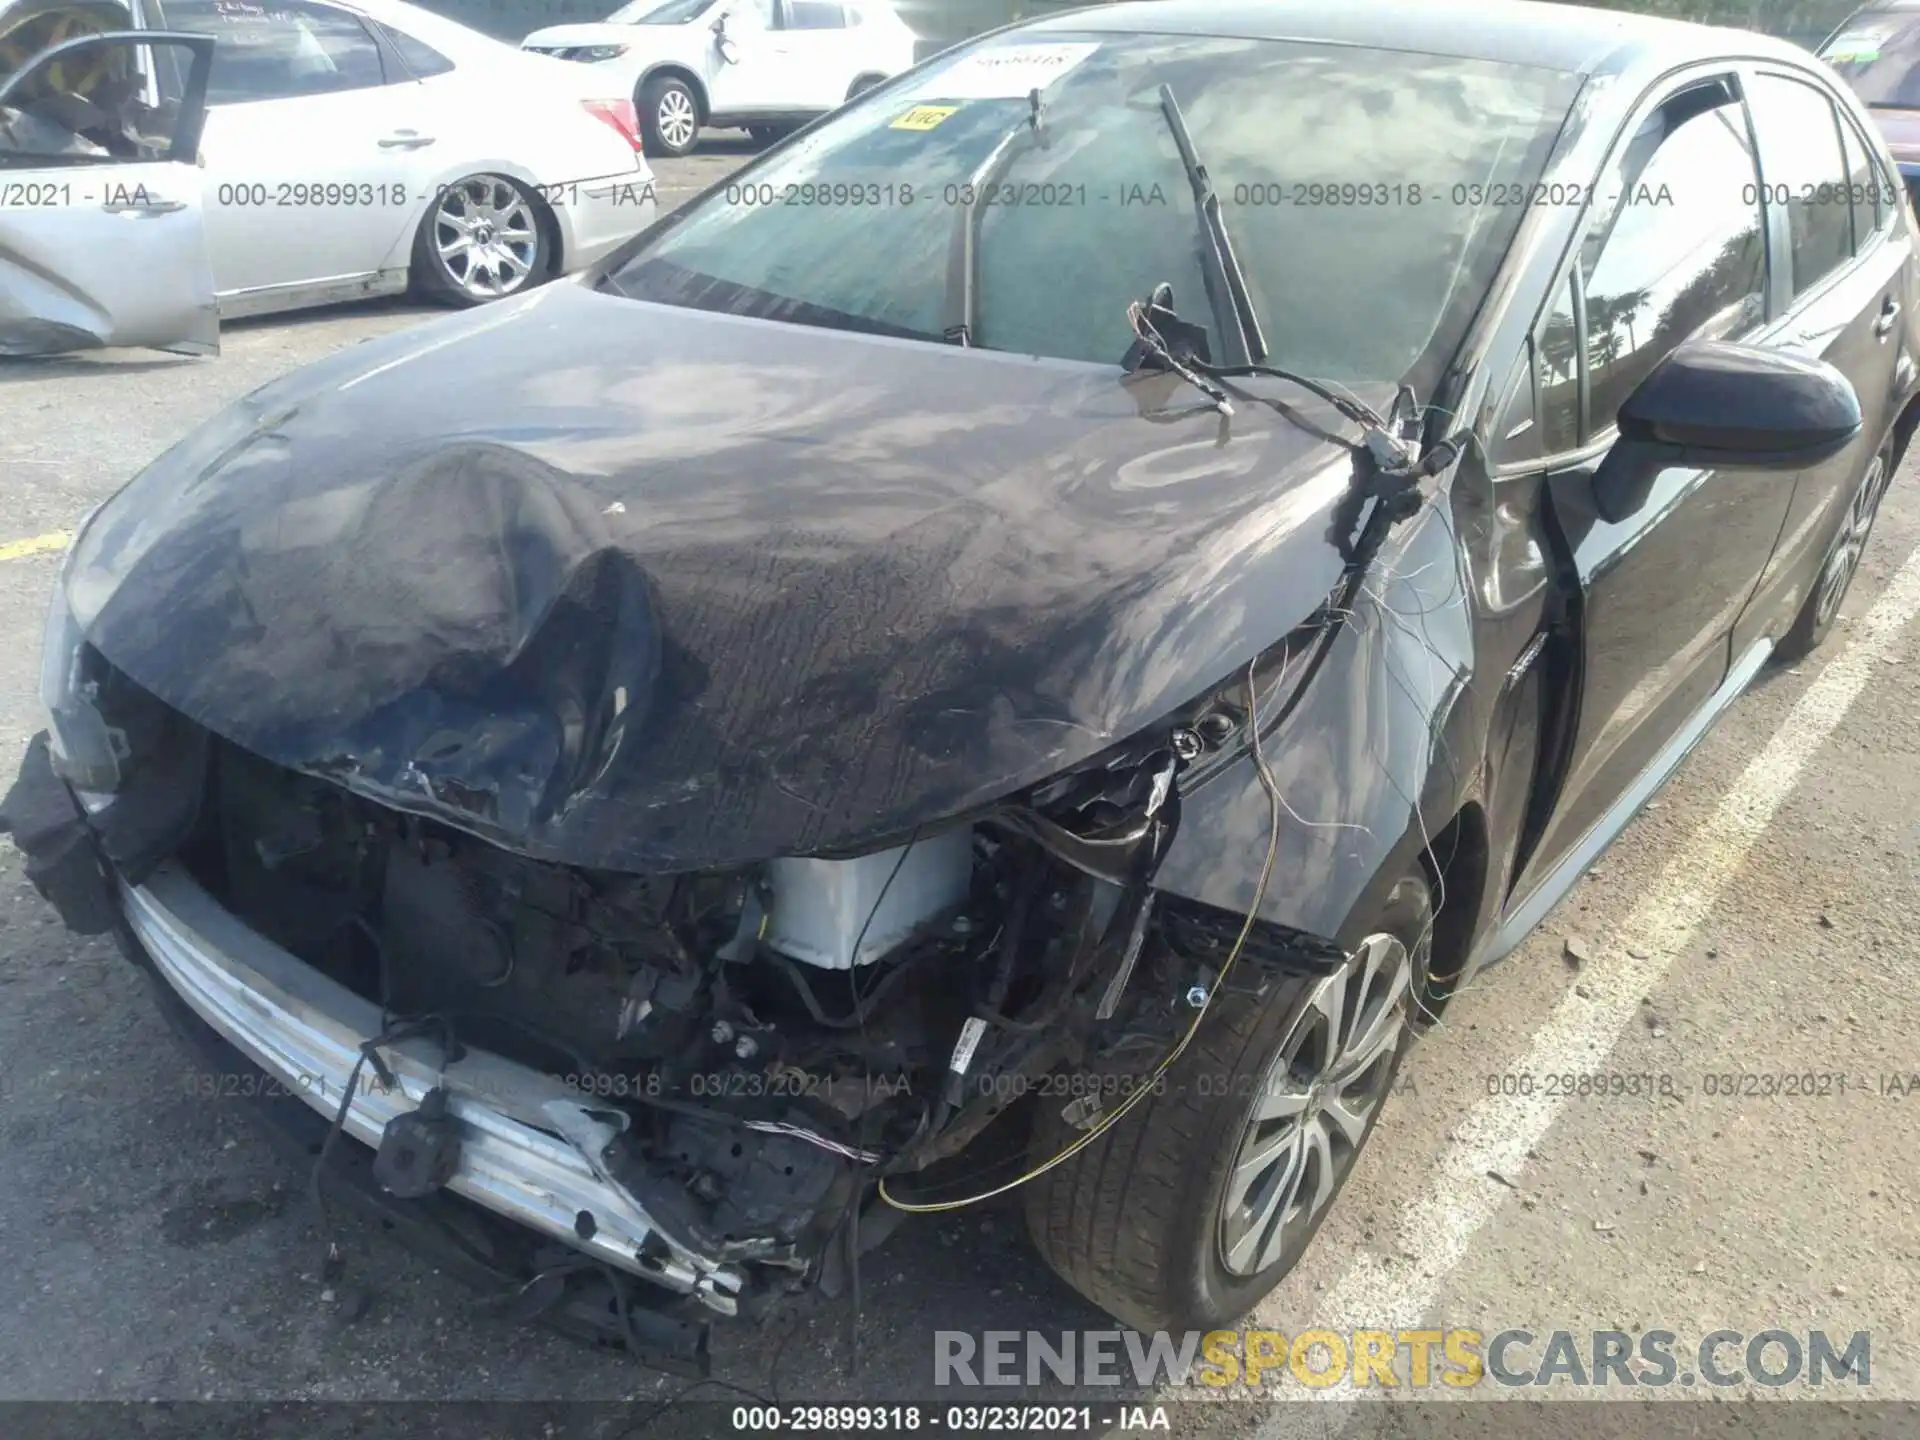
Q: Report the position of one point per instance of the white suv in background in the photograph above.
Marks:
(764, 64)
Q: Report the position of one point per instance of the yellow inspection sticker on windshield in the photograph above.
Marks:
(923, 117)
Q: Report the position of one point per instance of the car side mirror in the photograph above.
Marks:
(1713, 403)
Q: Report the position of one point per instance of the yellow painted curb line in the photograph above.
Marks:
(38, 545)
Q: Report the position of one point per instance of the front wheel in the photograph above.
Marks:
(481, 240)
(1193, 1207)
(1815, 621)
(669, 116)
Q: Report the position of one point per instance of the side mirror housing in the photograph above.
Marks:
(1714, 403)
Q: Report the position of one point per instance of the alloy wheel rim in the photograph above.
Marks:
(1844, 559)
(676, 118)
(487, 237)
(1314, 1105)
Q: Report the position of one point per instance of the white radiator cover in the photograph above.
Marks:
(821, 907)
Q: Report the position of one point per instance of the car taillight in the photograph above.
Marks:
(621, 115)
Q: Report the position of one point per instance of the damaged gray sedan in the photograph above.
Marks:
(1029, 641)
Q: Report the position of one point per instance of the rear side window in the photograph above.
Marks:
(1805, 170)
(278, 49)
(420, 58)
(1871, 194)
(1677, 251)
(814, 15)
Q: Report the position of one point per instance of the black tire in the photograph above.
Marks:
(524, 232)
(1815, 622)
(861, 84)
(669, 116)
(1134, 1222)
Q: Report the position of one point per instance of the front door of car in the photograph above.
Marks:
(101, 240)
(313, 158)
(1834, 216)
(1674, 249)
(755, 73)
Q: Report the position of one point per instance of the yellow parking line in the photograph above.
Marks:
(38, 545)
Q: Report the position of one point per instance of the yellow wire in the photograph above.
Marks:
(1113, 1117)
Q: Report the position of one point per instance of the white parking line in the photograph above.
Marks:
(1435, 1229)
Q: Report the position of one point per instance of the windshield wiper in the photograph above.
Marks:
(1226, 281)
(963, 265)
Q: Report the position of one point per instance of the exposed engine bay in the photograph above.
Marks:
(775, 1036)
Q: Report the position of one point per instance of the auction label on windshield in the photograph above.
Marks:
(1009, 72)
(924, 117)
(1858, 44)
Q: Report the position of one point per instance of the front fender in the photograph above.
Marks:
(1378, 755)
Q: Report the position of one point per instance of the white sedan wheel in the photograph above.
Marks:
(482, 240)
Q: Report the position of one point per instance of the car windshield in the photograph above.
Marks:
(1370, 195)
(652, 12)
(1879, 55)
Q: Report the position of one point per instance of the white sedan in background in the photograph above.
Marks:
(348, 150)
(764, 64)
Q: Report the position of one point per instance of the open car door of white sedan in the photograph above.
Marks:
(100, 224)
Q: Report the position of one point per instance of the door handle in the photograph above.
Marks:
(1889, 312)
(405, 140)
(149, 204)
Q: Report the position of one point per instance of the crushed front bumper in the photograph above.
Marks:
(305, 1030)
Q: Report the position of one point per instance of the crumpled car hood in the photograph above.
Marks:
(644, 588)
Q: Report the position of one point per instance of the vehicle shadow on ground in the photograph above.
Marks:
(88, 362)
(385, 305)
(735, 143)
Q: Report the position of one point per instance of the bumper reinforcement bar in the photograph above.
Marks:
(304, 1030)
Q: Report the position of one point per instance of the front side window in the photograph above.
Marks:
(279, 49)
(97, 103)
(1806, 172)
(652, 12)
(1370, 195)
(1677, 251)
(1557, 361)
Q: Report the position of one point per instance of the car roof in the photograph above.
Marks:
(1574, 38)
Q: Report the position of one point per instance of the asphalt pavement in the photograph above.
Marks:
(1752, 929)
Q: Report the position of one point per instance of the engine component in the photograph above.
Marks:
(419, 1149)
(752, 1183)
(823, 909)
